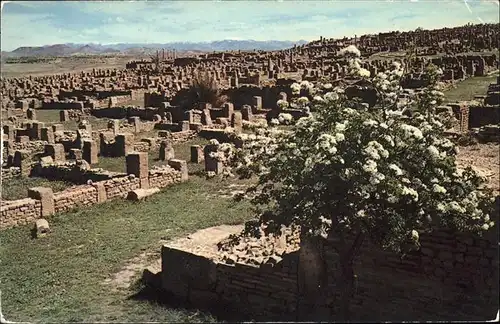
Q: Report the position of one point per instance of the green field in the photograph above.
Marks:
(17, 188)
(467, 89)
(60, 278)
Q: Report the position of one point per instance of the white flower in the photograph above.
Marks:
(327, 86)
(282, 104)
(370, 166)
(410, 192)
(370, 122)
(361, 213)
(331, 96)
(441, 207)
(438, 189)
(340, 127)
(412, 131)
(214, 141)
(392, 199)
(339, 137)
(274, 122)
(303, 100)
(364, 73)
(382, 75)
(414, 235)
(485, 227)
(350, 50)
(433, 151)
(396, 169)
(394, 113)
(318, 99)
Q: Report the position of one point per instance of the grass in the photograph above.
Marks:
(51, 116)
(467, 89)
(17, 188)
(59, 278)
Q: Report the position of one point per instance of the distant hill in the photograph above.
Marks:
(124, 48)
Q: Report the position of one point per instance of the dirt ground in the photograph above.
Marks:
(203, 242)
(485, 158)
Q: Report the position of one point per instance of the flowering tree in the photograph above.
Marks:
(369, 173)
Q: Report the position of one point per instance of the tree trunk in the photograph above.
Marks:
(347, 278)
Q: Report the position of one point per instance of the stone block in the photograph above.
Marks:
(90, 151)
(75, 154)
(47, 134)
(56, 151)
(228, 110)
(124, 144)
(41, 227)
(141, 194)
(184, 126)
(166, 151)
(64, 116)
(196, 154)
(246, 112)
(180, 165)
(46, 197)
(101, 192)
(137, 164)
(237, 122)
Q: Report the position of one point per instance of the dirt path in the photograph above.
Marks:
(203, 242)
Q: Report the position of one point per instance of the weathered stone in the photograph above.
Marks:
(41, 227)
(141, 194)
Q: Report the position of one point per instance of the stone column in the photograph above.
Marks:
(47, 134)
(166, 151)
(196, 154)
(228, 110)
(137, 164)
(56, 151)
(46, 197)
(124, 144)
(237, 122)
(89, 152)
(180, 165)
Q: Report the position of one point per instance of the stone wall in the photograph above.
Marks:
(120, 187)
(261, 292)
(70, 198)
(434, 283)
(25, 211)
(452, 276)
(481, 116)
(19, 212)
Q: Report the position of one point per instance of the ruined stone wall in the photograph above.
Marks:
(261, 292)
(9, 173)
(451, 272)
(481, 116)
(180, 137)
(120, 187)
(164, 177)
(452, 276)
(31, 146)
(19, 212)
(25, 211)
(75, 197)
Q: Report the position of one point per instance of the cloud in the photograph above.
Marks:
(40, 23)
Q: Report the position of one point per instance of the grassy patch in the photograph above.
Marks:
(51, 116)
(59, 278)
(467, 89)
(17, 188)
(114, 164)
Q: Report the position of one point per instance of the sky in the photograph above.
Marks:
(37, 23)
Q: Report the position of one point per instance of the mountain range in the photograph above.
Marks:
(70, 49)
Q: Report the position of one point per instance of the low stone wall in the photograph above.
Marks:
(9, 173)
(25, 211)
(120, 187)
(19, 212)
(452, 277)
(70, 198)
(261, 292)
